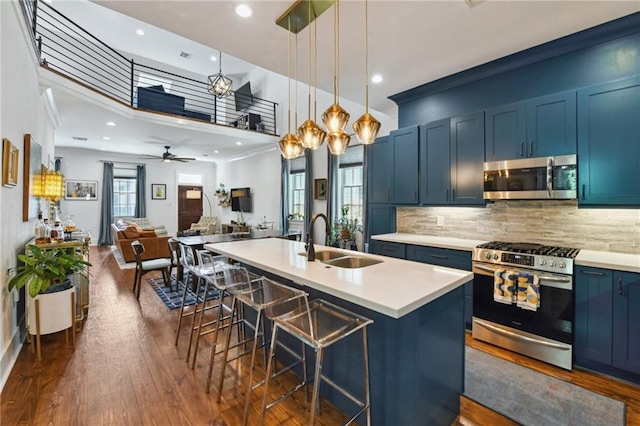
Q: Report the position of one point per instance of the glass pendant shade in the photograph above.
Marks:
(219, 85)
(335, 118)
(337, 142)
(311, 135)
(290, 147)
(366, 128)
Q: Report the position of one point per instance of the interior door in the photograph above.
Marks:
(189, 210)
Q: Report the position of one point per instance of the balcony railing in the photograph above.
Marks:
(67, 49)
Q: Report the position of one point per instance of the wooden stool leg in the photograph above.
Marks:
(38, 351)
(73, 318)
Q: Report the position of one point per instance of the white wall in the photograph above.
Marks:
(86, 165)
(21, 111)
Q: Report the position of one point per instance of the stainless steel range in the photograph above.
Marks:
(523, 299)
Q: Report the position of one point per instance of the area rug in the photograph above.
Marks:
(531, 398)
(173, 298)
(120, 260)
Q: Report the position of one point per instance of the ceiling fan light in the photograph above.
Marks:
(290, 147)
(311, 135)
(337, 142)
(366, 128)
(335, 118)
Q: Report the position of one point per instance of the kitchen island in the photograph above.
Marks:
(416, 343)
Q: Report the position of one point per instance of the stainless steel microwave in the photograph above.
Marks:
(543, 178)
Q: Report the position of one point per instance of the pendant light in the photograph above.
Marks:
(366, 127)
(311, 135)
(290, 146)
(219, 84)
(335, 118)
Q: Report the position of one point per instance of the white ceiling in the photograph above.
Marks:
(411, 43)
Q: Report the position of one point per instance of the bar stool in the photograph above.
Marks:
(319, 324)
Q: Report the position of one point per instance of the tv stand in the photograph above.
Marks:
(247, 121)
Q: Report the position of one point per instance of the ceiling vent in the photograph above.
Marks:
(78, 138)
(185, 55)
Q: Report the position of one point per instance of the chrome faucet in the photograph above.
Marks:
(311, 253)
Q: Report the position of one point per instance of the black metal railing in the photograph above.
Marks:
(69, 50)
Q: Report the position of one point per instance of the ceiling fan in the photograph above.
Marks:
(168, 157)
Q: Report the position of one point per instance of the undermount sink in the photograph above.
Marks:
(341, 260)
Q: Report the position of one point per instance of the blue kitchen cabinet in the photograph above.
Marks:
(381, 219)
(626, 321)
(379, 171)
(537, 127)
(609, 144)
(466, 153)
(387, 248)
(593, 315)
(435, 163)
(405, 176)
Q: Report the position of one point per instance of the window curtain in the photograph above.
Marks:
(332, 182)
(106, 211)
(141, 196)
(308, 191)
(284, 192)
(365, 198)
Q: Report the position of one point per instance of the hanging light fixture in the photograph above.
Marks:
(290, 146)
(366, 127)
(219, 84)
(335, 118)
(311, 135)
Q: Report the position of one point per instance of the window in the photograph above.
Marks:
(296, 187)
(124, 192)
(350, 182)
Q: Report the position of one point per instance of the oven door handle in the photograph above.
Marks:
(485, 268)
(520, 337)
(543, 280)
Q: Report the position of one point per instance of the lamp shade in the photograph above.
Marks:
(366, 128)
(311, 135)
(194, 194)
(335, 118)
(52, 185)
(290, 146)
(337, 142)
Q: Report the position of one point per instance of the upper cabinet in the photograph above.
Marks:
(466, 158)
(405, 177)
(435, 163)
(538, 127)
(379, 171)
(609, 144)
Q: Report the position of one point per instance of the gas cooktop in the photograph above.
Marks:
(527, 255)
(531, 248)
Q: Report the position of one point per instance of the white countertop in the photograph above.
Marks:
(609, 260)
(394, 287)
(429, 240)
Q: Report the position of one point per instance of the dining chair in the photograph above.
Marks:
(145, 266)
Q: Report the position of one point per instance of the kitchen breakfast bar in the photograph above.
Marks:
(416, 342)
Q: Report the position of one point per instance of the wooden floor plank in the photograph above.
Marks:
(126, 370)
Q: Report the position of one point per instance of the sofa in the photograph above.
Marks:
(154, 98)
(155, 246)
(144, 224)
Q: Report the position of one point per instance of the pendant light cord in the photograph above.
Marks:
(309, 68)
(335, 61)
(366, 56)
(315, 71)
(338, 52)
(295, 72)
(289, 76)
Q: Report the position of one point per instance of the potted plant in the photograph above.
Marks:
(220, 192)
(345, 228)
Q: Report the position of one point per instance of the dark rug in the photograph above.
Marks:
(533, 398)
(173, 299)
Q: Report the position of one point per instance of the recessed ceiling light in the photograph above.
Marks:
(243, 10)
(111, 123)
(377, 78)
(140, 32)
(238, 143)
(216, 152)
(103, 149)
(106, 138)
(214, 58)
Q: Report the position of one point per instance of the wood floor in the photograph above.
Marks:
(126, 370)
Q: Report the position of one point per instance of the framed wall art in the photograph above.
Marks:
(81, 190)
(9, 163)
(158, 191)
(32, 167)
(320, 189)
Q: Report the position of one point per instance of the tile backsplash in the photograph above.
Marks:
(559, 223)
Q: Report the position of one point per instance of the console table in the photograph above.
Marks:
(228, 228)
(247, 120)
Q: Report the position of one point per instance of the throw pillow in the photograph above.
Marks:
(146, 234)
(130, 233)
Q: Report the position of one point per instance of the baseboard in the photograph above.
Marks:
(10, 356)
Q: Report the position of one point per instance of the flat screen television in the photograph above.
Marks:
(243, 97)
(241, 200)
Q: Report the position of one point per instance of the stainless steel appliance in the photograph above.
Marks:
(531, 178)
(546, 333)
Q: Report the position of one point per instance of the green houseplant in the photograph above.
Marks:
(44, 267)
(344, 228)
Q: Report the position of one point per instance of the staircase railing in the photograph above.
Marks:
(67, 49)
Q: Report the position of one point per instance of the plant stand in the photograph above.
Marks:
(51, 313)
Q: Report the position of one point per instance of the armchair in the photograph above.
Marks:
(206, 225)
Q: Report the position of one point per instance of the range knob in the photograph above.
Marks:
(552, 263)
(487, 255)
(543, 262)
(495, 256)
(562, 265)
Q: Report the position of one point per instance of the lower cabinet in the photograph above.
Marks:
(607, 321)
(385, 248)
(381, 219)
